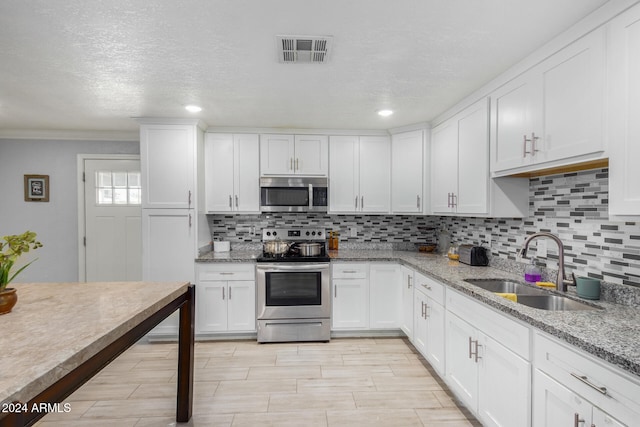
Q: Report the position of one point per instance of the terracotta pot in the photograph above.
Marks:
(8, 299)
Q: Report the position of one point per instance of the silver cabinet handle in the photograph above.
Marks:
(449, 203)
(474, 353)
(229, 292)
(534, 138)
(427, 287)
(585, 380)
(226, 273)
(189, 197)
(236, 200)
(426, 311)
(189, 220)
(524, 146)
(335, 292)
(577, 420)
(356, 202)
(297, 167)
(418, 201)
(230, 202)
(291, 163)
(409, 282)
(222, 293)
(362, 202)
(349, 271)
(454, 200)
(470, 352)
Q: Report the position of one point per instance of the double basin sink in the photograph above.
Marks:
(530, 296)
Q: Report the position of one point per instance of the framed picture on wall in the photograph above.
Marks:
(36, 188)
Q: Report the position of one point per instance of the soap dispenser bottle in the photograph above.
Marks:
(532, 273)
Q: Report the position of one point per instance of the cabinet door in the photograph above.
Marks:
(555, 405)
(311, 155)
(168, 248)
(344, 174)
(385, 296)
(461, 367)
(602, 419)
(624, 69)
(241, 305)
(406, 172)
(350, 304)
(435, 341)
(219, 172)
(473, 160)
(211, 309)
(246, 179)
(504, 378)
(375, 174)
(406, 315)
(167, 158)
(515, 114)
(444, 166)
(420, 322)
(277, 154)
(573, 84)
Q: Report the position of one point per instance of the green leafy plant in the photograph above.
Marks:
(10, 250)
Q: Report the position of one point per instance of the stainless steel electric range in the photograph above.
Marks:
(294, 287)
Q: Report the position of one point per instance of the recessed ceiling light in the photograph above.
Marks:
(193, 108)
(385, 113)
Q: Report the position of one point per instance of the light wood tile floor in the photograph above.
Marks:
(347, 382)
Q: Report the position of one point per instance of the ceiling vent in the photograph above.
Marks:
(303, 49)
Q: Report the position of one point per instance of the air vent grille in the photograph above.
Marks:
(303, 49)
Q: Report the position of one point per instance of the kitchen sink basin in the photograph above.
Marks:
(530, 296)
(505, 286)
(552, 303)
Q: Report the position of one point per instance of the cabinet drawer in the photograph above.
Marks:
(430, 287)
(227, 271)
(507, 332)
(607, 387)
(349, 271)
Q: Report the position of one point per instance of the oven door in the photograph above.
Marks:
(293, 291)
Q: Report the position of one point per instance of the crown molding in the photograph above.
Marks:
(70, 135)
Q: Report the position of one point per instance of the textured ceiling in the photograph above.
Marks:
(93, 65)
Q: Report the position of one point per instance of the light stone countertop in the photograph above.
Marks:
(54, 327)
(611, 334)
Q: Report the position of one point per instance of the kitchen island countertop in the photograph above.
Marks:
(610, 334)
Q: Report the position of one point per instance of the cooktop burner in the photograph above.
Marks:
(294, 238)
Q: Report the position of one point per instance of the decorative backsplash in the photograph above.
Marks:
(573, 206)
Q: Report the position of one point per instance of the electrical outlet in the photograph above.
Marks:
(541, 248)
(353, 232)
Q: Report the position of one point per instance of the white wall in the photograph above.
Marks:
(55, 222)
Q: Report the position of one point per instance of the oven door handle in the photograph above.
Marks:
(296, 267)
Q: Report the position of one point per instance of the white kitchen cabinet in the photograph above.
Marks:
(624, 102)
(407, 175)
(350, 290)
(168, 248)
(553, 114)
(168, 162)
(294, 155)
(359, 175)
(460, 179)
(430, 321)
(482, 365)
(567, 381)
(226, 298)
(406, 316)
(385, 295)
(232, 163)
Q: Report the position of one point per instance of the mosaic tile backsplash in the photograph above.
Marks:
(573, 206)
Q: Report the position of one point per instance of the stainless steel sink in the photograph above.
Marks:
(553, 303)
(530, 296)
(505, 286)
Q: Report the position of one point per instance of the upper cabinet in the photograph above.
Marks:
(624, 102)
(407, 179)
(359, 177)
(460, 180)
(231, 168)
(553, 114)
(294, 154)
(168, 161)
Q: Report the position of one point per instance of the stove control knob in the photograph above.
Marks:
(319, 233)
(307, 233)
(275, 233)
(268, 233)
(313, 233)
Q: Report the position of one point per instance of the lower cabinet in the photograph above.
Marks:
(365, 296)
(429, 325)
(225, 298)
(490, 379)
(572, 388)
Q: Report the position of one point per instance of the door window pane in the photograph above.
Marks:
(118, 188)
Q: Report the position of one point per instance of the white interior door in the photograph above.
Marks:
(113, 245)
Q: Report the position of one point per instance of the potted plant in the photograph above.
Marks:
(10, 250)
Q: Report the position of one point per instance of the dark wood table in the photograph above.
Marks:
(60, 335)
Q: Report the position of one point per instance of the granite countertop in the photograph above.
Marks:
(610, 334)
(55, 327)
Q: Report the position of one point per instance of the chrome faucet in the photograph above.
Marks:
(561, 281)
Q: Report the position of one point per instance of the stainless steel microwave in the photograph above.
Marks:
(294, 194)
